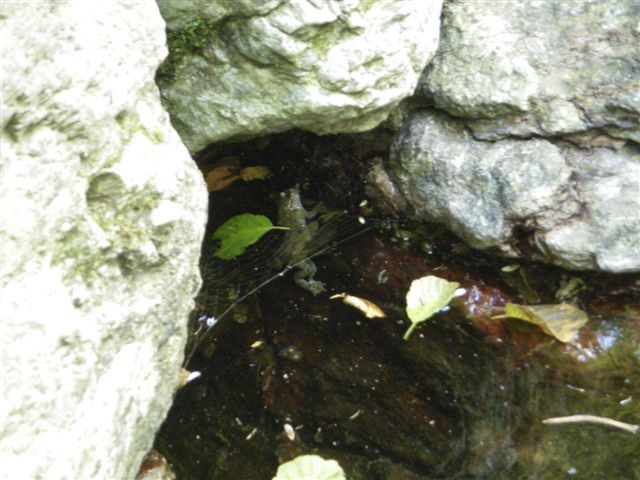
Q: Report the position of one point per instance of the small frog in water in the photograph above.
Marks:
(296, 240)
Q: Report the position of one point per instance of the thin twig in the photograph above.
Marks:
(627, 427)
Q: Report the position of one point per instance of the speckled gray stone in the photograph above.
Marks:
(327, 67)
(538, 68)
(103, 213)
(578, 207)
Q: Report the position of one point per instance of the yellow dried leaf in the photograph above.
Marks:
(249, 174)
(227, 171)
(370, 309)
(561, 321)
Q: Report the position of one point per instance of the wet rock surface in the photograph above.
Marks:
(541, 198)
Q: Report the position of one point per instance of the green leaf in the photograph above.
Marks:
(240, 232)
(561, 321)
(310, 467)
(427, 296)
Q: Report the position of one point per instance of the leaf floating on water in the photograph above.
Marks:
(370, 309)
(561, 321)
(510, 268)
(310, 467)
(250, 174)
(427, 296)
(240, 232)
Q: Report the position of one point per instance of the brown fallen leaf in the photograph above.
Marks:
(154, 466)
(220, 178)
(258, 172)
(227, 170)
(370, 309)
(561, 321)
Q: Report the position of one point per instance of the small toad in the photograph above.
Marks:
(295, 244)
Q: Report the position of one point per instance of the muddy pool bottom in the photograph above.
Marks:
(464, 397)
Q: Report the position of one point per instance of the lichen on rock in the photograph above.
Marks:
(324, 67)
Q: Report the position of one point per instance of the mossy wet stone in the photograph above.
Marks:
(522, 72)
(243, 69)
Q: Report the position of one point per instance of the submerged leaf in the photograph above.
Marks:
(223, 174)
(561, 321)
(518, 278)
(240, 232)
(310, 467)
(426, 296)
(220, 178)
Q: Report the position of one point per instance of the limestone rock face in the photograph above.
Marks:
(534, 150)
(103, 213)
(577, 208)
(252, 68)
(544, 68)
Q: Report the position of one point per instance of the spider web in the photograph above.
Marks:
(226, 283)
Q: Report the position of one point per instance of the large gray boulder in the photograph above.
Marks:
(535, 148)
(544, 68)
(246, 68)
(570, 206)
(103, 213)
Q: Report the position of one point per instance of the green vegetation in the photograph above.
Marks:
(192, 38)
(427, 296)
(561, 321)
(240, 232)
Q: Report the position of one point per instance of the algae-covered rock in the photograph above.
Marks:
(102, 216)
(251, 68)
